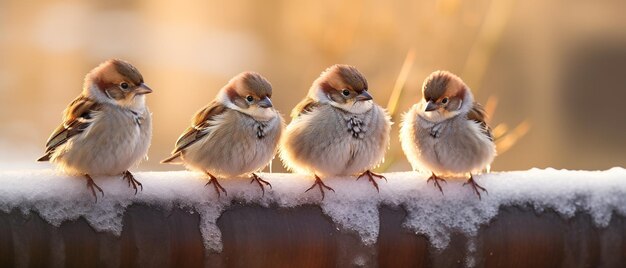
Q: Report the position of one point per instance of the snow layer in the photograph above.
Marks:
(354, 206)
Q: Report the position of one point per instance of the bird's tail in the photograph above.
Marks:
(174, 159)
(44, 158)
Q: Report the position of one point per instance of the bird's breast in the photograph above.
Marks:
(261, 129)
(355, 126)
(136, 117)
(247, 128)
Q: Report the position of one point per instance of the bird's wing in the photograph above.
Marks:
(477, 114)
(199, 126)
(305, 106)
(76, 118)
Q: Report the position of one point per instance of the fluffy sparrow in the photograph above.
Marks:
(107, 128)
(446, 132)
(235, 134)
(337, 130)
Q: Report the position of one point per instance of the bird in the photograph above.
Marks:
(337, 129)
(237, 133)
(106, 129)
(446, 133)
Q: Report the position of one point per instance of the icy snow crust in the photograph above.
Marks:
(354, 206)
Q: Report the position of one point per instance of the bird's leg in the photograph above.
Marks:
(216, 185)
(475, 186)
(91, 184)
(371, 175)
(260, 182)
(126, 175)
(321, 185)
(436, 180)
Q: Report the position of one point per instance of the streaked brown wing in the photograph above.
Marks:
(76, 118)
(477, 114)
(201, 121)
(305, 106)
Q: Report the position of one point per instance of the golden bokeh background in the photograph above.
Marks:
(555, 69)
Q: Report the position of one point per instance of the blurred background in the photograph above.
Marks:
(552, 73)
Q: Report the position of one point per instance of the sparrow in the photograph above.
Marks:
(446, 132)
(106, 129)
(237, 133)
(337, 129)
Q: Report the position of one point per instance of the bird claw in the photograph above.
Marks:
(91, 185)
(318, 182)
(371, 175)
(436, 180)
(218, 187)
(475, 186)
(131, 180)
(260, 182)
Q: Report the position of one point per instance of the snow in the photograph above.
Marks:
(353, 207)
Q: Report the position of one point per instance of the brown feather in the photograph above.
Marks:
(440, 84)
(202, 120)
(257, 84)
(128, 71)
(477, 114)
(305, 106)
(352, 77)
(171, 158)
(44, 158)
(108, 75)
(342, 76)
(75, 120)
(244, 84)
(435, 85)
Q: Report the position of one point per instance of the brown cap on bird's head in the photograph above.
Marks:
(117, 79)
(115, 71)
(340, 76)
(442, 89)
(342, 82)
(249, 88)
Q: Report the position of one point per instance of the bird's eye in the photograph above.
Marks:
(444, 101)
(249, 98)
(345, 92)
(124, 85)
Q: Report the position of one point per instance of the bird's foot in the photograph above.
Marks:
(436, 181)
(321, 185)
(131, 180)
(371, 175)
(218, 187)
(260, 182)
(91, 185)
(475, 186)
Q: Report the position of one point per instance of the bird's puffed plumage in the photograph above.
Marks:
(228, 137)
(107, 128)
(328, 141)
(331, 135)
(455, 146)
(454, 139)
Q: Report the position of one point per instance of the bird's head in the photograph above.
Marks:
(342, 86)
(249, 93)
(118, 82)
(445, 95)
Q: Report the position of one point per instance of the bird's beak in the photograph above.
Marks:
(143, 89)
(431, 106)
(364, 96)
(265, 103)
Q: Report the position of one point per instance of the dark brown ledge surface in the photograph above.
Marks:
(304, 237)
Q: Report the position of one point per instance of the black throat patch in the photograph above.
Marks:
(261, 128)
(356, 127)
